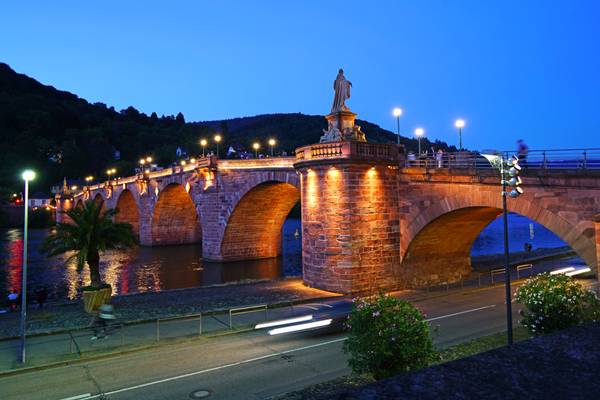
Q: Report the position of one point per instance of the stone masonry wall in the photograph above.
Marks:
(350, 226)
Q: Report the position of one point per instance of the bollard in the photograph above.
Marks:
(157, 330)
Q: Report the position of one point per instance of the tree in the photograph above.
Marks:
(387, 336)
(555, 302)
(91, 232)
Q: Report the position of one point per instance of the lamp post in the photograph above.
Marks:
(256, 146)
(110, 172)
(459, 124)
(27, 176)
(272, 143)
(89, 179)
(218, 140)
(203, 143)
(509, 172)
(419, 132)
(397, 114)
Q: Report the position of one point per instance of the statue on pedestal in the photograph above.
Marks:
(340, 122)
(341, 86)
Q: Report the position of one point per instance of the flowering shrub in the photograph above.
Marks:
(387, 336)
(555, 302)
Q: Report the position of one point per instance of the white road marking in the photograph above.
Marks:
(460, 313)
(250, 360)
(78, 397)
(173, 378)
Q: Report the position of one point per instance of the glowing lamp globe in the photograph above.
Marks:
(28, 175)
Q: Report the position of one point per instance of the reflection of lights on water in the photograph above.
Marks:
(148, 278)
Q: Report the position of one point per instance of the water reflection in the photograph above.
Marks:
(158, 268)
(139, 270)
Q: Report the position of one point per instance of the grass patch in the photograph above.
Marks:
(479, 345)
(334, 388)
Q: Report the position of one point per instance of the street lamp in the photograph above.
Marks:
(89, 179)
(28, 175)
(203, 143)
(218, 140)
(397, 114)
(272, 143)
(110, 172)
(256, 146)
(459, 124)
(509, 173)
(419, 132)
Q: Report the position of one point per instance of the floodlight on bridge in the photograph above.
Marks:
(516, 192)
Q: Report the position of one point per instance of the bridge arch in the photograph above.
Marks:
(128, 210)
(255, 220)
(436, 240)
(174, 219)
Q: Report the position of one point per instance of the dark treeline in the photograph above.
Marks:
(61, 135)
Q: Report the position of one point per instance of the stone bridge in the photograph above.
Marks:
(369, 219)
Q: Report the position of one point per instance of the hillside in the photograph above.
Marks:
(294, 130)
(60, 134)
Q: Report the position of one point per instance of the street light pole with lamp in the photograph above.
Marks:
(28, 175)
(256, 146)
(459, 124)
(272, 143)
(509, 173)
(218, 140)
(397, 114)
(203, 143)
(419, 132)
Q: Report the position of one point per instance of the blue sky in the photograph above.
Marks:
(512, 69)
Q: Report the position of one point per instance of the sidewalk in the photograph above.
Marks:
(59, 348)
(141, 307)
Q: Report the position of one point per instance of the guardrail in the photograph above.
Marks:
(523, 267)
(567, 159)
(179, 318)
(246, 310)
(497, 271)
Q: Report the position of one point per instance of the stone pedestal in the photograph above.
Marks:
(340, 126)
(350, 217)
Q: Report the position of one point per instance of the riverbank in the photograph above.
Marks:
(488, 262)
(151, 305)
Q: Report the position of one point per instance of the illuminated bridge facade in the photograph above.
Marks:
(370, 218)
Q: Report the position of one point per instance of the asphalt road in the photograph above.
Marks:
(249, 365)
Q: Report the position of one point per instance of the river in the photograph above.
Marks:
(161, 268)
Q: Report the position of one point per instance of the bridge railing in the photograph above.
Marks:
(382, 152)
(563, 159)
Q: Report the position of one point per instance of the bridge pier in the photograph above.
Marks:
(350, 219)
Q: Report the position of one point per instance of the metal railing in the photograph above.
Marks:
(247, 310)
(562, 159)
(523, 267)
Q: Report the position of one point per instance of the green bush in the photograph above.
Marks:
(555, 302)
(387, 336)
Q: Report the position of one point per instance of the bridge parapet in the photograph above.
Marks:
(258, 163)
(382, 153)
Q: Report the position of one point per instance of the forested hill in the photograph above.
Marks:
(295, 130)
(59, 134)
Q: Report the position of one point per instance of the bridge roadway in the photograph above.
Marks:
(248, 365)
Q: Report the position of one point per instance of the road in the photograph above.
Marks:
(250, 365)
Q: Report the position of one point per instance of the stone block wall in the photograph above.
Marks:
(350, 226)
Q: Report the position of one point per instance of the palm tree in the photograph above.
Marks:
(91, 232)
